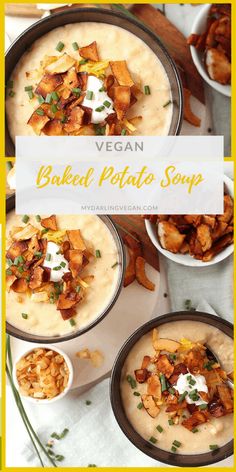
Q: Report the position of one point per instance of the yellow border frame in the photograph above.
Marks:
(2, 215)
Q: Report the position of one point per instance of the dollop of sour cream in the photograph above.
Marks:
(54, 260)
(184, 385)
(99, 100)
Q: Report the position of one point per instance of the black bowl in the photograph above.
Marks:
(98, 15)
(180, 460)
(17, 333)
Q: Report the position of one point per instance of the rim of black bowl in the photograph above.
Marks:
(49, 23)
(178, 460)
(17, 333)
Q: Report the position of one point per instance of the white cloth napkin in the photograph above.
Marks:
(212, 283)
(94, 436)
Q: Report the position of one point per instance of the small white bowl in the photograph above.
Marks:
(49, 347)
(199, 27)
(186, 259)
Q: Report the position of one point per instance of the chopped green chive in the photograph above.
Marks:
(147, 90)
(159, 428)
(24, 315)
(55, 96)
(123, 132)
(38, 218)
(187, 304)
(31, 95)
(19, 260)
(173, 449)
(54, 108)
(52, 297)
(38, 254)
(72, 322)
(89, 94)
(182, 397)
(48, 257)
(29, 88)
(76, 91)
(21, 269)
(99, 109)
(88, 402)
(209, 365)
(192, 382)
(39, 111)
(60, 46)
(203, 406)
(99, 130)
(83, 61)
(140, 406)
(153, 440)
(102, 89)
(63, 264)
(48, 98)
(9, 272)
(213, 447)
(172, 357)
(194, 395)
(57, 268)
(195, 430)
(163, 383)
(131, 381)
(171, 422)
(64, 119)
(55, 436)
(176, 443)
(11, 93)
(98, 253)
(107, 104)
(167, 103)
(44, 231)
(136, 394)
(78, 288)
(171, 390)
(75, 46)
(64, 433)
(40, 99)
(10, 84)
(59, 458)
(114, 265)
(25, 218)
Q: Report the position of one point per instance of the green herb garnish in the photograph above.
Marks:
(213, 447)
(123, 132)
(38, 254)
(131, 381)
(140, 406)
(163, 383)
(60, 46)
(48, 256)
(54, 108)
(88, 402)
(63, 264)
(107, 104)
(38, 218)
(25, 218)
(171, 390)
(159, 428)
(114, 265)
(75, 46)
(153, 440)
(40, 99)
(31, 95)
(11, 93)
(203, 406)
(76, 91)
(39, 111)
(171, 422)
(136, 394)
(173, 449)
(98, 253)
(24, 315)
(28, 88)
(147, 90)
(99, 109)
(182, 397)
(89, 94)
(176, 443)
(195, 430)
(83, 61)
(167, 103)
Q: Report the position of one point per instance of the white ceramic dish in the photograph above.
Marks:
(199, 26)
(186, 259)
(134, 306)
(49, 347)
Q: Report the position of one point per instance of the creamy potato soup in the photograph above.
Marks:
(174, 396)
(61, 272)
(88, 78)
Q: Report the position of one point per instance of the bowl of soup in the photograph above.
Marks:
(64, 273)
(63, 77)
(168, 393)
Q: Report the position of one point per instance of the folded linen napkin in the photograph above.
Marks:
(212, 283)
